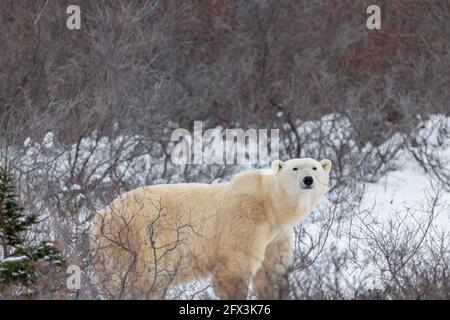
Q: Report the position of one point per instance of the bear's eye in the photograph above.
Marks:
(295, 169)
(314, 168)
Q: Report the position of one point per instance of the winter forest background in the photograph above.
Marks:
(86, 115)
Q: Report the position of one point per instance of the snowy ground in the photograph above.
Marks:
(408, 187)
(410, 184)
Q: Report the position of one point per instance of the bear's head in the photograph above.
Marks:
(302, 175)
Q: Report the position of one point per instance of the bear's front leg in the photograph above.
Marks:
(230, 286)
(231, 275)
(270, 281)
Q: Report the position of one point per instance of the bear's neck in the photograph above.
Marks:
(284, 208)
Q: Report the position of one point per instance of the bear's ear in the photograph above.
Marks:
(277, 165)
(326, 165)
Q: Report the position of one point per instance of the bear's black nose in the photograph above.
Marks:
(308, 180)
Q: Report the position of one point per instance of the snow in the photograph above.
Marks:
(14, 259)
(410, 185)
(400, 189)
(48, 140)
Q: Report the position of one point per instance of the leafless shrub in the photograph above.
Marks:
(99, 105)
(428, 146)
(117, 271)
(400, 256)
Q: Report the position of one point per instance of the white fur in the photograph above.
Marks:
(236, 232)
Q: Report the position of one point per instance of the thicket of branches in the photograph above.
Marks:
(87, 115)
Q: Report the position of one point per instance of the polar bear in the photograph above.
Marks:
(238, 233)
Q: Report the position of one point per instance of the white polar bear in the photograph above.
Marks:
(239, 232)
